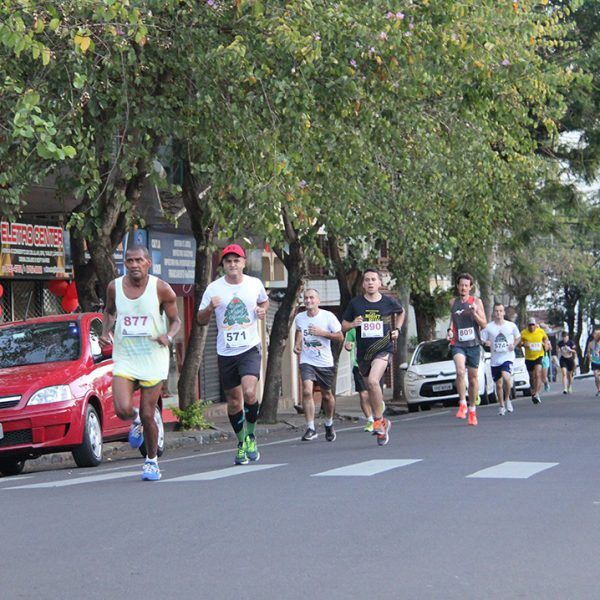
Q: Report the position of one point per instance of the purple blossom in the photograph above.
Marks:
(353, 63)
(389, 15)
(505, 62)
(317, 37)
(212, 3)
(302, 184)
(383, 35)
(400, 16)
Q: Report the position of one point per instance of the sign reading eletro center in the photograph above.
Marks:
(32, 251)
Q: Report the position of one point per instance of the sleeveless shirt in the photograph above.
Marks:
(464, 326)
(138, 322)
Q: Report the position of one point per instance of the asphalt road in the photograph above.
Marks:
(509, 509)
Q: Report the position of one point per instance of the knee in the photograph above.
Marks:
(146, 413)
(121, 413)
(372, 384)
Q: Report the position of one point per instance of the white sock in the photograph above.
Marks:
(328, 422)
(463, 402)
(310, 425)
(153, 460)
(472, 409)
(370, 419)
(136, 419)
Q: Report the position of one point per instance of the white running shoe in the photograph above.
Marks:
(509, 406)
(502, 411)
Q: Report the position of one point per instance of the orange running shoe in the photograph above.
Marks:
(378, 427)
(384, 437)
(461, 413)
(472, 417)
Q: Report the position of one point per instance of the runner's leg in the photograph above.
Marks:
(507, 383)
(500, 391)
(473, 375)
(249, 383)
(378, 367)
(461, 388)
(148, 402)
(123, 398)
(328, 400)
(308, 403)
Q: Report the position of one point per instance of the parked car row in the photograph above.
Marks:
(56, 391)
(431, 376)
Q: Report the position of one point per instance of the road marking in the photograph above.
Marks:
(367, 468)
(76, 481)
(513, 470)
(222, 473)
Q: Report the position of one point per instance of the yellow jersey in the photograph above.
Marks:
(535, 347)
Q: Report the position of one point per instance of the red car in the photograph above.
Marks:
(56, 391)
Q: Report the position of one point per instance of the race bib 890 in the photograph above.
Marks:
(371, 329)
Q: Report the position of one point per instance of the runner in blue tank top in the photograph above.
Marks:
(467, 317)
(593, 351)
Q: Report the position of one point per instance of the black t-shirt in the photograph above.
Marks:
(567, 349)
(373, 313)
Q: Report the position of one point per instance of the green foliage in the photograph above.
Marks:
(193, 416)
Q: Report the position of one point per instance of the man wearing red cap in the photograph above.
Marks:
(238, 301)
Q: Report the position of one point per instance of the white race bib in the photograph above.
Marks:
(535, 346)
(136, 326)
(371, 329)
(236, 338)
(466, 335)
(501, 346)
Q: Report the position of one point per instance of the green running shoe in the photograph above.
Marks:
(241, 457)
(251, 448)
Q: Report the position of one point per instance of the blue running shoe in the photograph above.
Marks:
(151, 472)
(136, 435)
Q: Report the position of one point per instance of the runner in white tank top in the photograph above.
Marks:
(138, 306)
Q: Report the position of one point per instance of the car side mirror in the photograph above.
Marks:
(107, 351)
(404, 366)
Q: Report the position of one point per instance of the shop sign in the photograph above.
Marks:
(29, 251)
(173, 256)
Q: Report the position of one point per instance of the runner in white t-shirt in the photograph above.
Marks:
(501, 337)
(315, 328)
(238, 301)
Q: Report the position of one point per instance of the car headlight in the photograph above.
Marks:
(412, 377)
(56, 393)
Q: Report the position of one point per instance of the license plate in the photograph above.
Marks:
(442, 387)
(1, 431)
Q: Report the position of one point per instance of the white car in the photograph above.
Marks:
(520, 374)
(431, 377)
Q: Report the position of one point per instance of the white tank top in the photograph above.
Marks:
(138, 322)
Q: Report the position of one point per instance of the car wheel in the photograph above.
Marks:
(161, 435)
(11, 466)
(426, 406)
(412, 408)
(89, 454)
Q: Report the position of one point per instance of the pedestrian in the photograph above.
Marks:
(593, 351)
(467, 318)
(374, 316)
(536, 342)
(568, 352)
(238, 301)
(501, 337)
(136, 306)
(359, 384)
(315, 330)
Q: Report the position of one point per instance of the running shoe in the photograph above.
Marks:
(536, 399)
(378, 426)
(241, 458)
(598, 393)
(309, 434)
(136, 434)
(472, 417)
(565, 392)
(369, 425)
(150, 471)
(570, 389)
(546, 387)
(502, 411)
(251, 448)
(509, 406)
(461, 413)
(384, 437)
(330, 433)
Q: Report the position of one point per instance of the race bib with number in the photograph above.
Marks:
(535, 346)
(501, 346)
(236, 339)
(371, 329)
(136, 326)
(466, 335)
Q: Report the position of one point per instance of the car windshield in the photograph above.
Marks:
(33, 344)
(432, 352)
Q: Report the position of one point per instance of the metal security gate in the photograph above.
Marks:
(210, 385)
(27, 299)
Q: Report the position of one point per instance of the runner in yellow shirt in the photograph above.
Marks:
(535, 341)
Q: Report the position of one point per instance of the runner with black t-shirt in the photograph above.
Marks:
(372, 314)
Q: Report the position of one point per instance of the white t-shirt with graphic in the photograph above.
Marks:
(316, 350)
(236, 314)
(500, 338)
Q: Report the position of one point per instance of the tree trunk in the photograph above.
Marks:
(401, 355)
(85, 276)
(521, 311)
(194, 199)
(297, 270)
(426, 321)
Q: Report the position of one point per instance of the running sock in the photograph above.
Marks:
(237, 422)
(154, 460)
(328, 422)
(251, 411)
(310, 425)
(472, 408)
(137, 420)
(370, 420)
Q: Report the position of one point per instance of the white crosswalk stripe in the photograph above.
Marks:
(367, 468)
(76, 481)
(513, 470)
(222, 473)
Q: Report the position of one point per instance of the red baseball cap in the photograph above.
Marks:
(233, 249)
